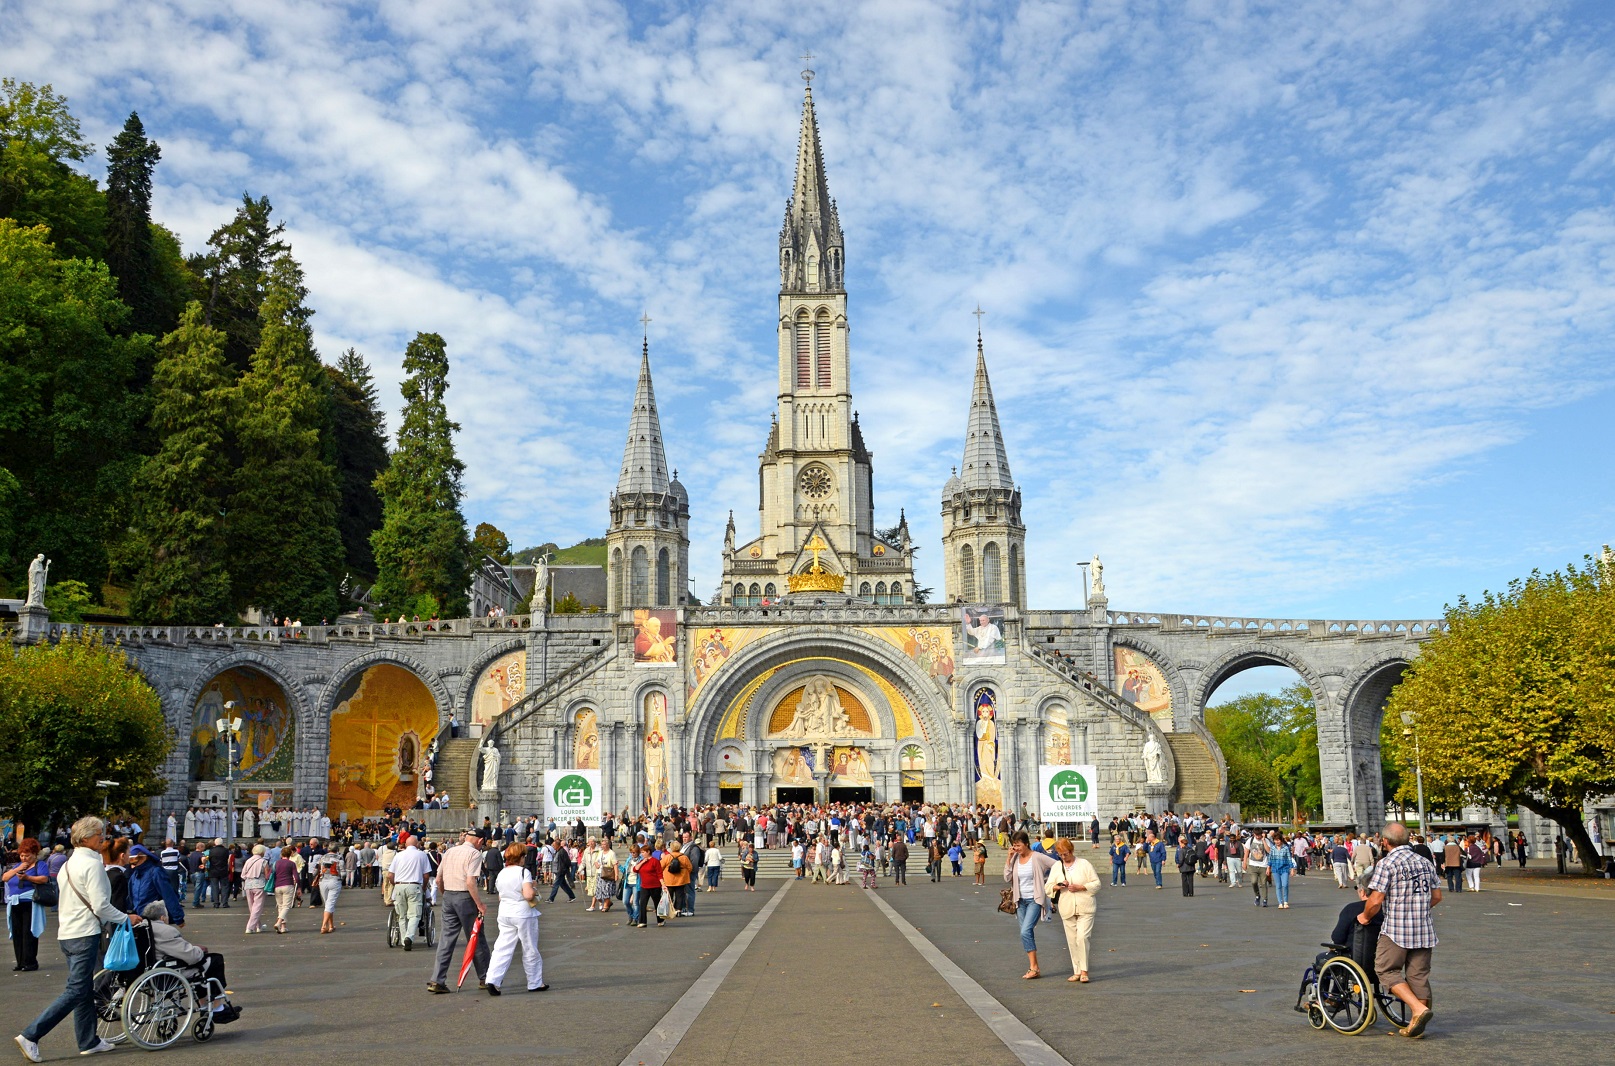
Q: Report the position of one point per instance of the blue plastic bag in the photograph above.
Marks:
(122, 954)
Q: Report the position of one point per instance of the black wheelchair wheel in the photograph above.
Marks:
(1346, 996)
(108, 987)
(395, 936)
(1315, 1016)
(202, 1029)
(429, 921)
(1396, 1012)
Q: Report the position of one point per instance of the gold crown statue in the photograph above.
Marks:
(816, 578)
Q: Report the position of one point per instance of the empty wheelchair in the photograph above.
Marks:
(1340, 990)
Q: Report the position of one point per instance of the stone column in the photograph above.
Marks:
(678, 772)
(33, 623)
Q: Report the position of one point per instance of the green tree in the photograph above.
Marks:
(131, 250)
(1514, 703)
(422, 547)
(1270, 743)
(286, 553)
(236, 270)
(68, 601)
(39, 142)
(568, 604)
(68, 415)
(489, 539)
(359, 433)
(177, 548)
(73, 713)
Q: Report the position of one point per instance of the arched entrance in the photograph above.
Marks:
(816, 712)
(383, 720)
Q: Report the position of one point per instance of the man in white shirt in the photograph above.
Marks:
(85, 901)
(410, 869)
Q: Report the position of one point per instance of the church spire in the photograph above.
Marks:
(986, 464)
(810, 241)
(644, 462)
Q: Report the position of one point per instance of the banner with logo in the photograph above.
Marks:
(573, 794)
(1068, 793)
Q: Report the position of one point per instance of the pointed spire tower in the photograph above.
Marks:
(648, 540)
(983, 537)
(815, 474)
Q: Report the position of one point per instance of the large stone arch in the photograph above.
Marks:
(426, 675)
(1246, 656)
(473, 675)
(1354, 788)
(1182, 707)
(706, 714)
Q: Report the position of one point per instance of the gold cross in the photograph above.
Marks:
(817, 545)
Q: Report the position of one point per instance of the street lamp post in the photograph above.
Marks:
(229, 727)
(1409, 719)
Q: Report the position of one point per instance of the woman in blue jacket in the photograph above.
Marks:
(1282, 863)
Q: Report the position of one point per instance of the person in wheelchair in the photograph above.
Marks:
(1345, 937)
(198, 962)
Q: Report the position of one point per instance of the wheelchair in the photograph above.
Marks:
(429, 924)
(1341, 991)
(157, 1002)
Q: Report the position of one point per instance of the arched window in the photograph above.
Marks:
(756, 594)
(967, 574)
(739, 596)
(617, 579)
(769, 592)
(880, 592)
(804, 352)
(663, 582)
(992, 575)
(639, 578)
(821, 350)
(863, 591)
(1015, 575)
(896, 593)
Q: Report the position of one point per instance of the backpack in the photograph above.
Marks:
(676, 866)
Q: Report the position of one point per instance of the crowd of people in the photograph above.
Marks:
(653, 866)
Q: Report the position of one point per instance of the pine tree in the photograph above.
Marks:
(236, 269)
(360, 436)
(131, 254)
(178, 547)
(286, 554)
(422, 549)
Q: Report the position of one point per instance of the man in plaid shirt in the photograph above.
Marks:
(1406, 887)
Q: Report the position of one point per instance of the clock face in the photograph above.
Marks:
(815, 482)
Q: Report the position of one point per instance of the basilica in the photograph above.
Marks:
(814, 674)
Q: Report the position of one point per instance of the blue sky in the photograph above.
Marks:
(1297, 309)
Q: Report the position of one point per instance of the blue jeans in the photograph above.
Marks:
(201, 889)
(1155, 866)
(632, 903)
(1118, 870)
(1028, 912)
(1281, 884)
(78, 998)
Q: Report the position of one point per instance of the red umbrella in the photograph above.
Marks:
(470, 951)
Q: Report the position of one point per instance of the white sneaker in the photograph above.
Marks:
(100, 1046)
(30, 1049)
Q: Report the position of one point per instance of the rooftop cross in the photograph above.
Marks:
(644, 320)
(807, 72)
(978, 312)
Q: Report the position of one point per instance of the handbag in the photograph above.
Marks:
(47, 894)
(122, 954)
(1006, 901)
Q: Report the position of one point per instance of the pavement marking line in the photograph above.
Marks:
(1016, 1035)
(663, 1038)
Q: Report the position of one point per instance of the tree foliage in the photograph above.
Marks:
(1271, 746)
(131, 249)
(39, 142)
(422, 547)
(359, 437)
(177, 548)
(1514, 703)
(286, 554)
(68, 415)
(73, 713)
(489, 539)
(236, 271)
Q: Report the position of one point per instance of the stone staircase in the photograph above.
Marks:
(1199, 781)
(452, 771)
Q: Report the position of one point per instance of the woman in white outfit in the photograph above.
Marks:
(518, 923)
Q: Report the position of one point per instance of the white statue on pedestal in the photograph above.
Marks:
(36, 580)
(1098, 570)
(1154, 765)
(490, 769)
(541, 587)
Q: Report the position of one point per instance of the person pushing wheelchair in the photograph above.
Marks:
(1404, 888)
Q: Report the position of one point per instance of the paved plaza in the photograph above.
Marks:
(1523, 973)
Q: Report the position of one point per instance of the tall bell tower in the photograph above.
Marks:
(815, 475)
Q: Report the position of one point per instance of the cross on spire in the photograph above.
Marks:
(807, 72)
(644, 321)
